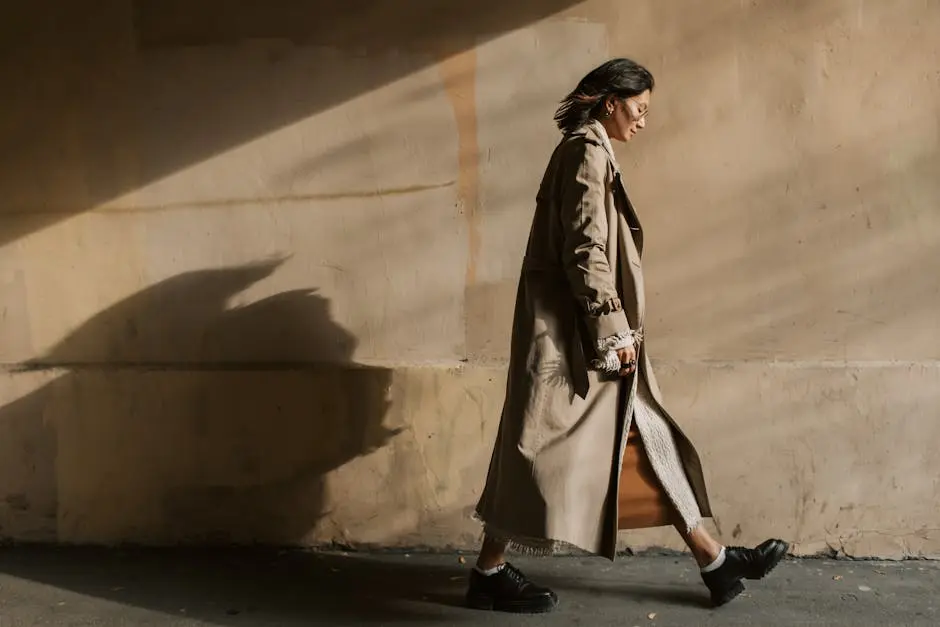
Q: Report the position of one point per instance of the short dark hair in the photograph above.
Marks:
(618, 77)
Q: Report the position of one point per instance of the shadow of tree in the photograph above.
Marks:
(178, 417)
(90, 115)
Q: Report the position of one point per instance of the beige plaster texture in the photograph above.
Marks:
(258, 261)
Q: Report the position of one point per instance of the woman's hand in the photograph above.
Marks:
(627, 360)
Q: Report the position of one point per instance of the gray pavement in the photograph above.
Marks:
(55, 587)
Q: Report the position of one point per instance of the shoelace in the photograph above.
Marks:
(516, 575)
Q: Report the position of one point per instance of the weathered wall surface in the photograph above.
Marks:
(257, 265)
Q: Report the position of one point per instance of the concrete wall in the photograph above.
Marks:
(257, 261)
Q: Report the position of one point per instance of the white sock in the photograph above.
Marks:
(490, 571)
(719, 561)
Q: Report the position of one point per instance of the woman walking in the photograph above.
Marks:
(585, 446)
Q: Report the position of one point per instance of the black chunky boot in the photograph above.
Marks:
(509, 591)
(726, 583)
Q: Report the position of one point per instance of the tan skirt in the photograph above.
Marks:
(642, 500)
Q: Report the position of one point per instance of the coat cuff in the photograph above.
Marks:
(607, 358)
(608, 324)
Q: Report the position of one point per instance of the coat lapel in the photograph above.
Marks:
(596, 130)
(636, 229)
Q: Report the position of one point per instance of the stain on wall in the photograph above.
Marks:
(459, 75)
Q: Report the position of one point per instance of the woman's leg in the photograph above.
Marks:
(704, 548)
(492, 554)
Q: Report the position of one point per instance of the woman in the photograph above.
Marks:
(585, 446)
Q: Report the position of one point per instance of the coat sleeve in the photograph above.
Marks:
(584, 255)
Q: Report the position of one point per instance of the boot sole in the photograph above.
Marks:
(732, 593)
(487, 603)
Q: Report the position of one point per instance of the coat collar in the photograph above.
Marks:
(595, 131)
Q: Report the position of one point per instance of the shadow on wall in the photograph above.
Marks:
(229, 444)
(85, 120)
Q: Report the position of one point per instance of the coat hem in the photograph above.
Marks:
(530, 546)
(524, 545)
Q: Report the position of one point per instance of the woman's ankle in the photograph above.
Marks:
(704, 548)
(492, 555)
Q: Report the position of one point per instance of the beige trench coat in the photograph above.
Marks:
(555, 469)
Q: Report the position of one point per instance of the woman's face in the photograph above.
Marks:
(626, 116)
